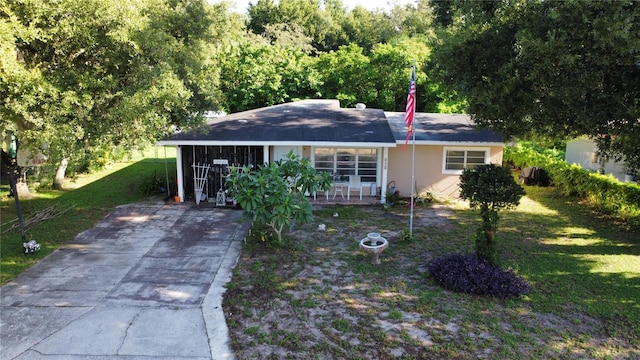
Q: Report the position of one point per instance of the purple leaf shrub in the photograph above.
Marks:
(474, 275)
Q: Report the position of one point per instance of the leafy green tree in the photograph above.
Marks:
(548, 68)
(303, 15)
(261, 14)
(274, 194)
(490, 188)
(288, 36)
(380, 80)
(448, 13)
(258, 74)
(442, 12)
(333, 35)
(92, 78)
(332, 26)
(368, 28)
(306, 13)
(413, 20)
(346, 75)
(391, 64)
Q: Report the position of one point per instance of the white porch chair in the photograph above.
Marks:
(326, 194)
(354, 184)
(338, 187)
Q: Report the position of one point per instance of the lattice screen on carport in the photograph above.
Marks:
(200, 179)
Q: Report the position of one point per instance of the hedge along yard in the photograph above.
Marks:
(320, 296)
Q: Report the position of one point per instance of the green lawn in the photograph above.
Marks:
(576, 259)
(92, 196)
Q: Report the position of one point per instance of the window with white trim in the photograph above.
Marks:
(457, 159)
(342, 162)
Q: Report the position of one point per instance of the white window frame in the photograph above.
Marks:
(487, 157)
(356, 160)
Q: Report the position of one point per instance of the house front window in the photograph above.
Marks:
(342, 162)
(457, 159)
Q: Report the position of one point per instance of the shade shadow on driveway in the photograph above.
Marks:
(146, 282)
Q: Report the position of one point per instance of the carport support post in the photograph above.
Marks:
(179, 172)
(385, 170)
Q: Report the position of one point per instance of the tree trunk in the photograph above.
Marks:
(489, 236)
(58, 180)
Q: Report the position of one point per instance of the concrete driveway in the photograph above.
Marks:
(145, 283)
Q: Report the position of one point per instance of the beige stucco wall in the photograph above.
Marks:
(428, 169)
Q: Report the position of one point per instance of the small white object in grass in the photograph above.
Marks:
(31, 247)
(322, 227)
(335, 214)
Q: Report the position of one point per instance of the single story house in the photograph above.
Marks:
(585, 153)
(350, 143)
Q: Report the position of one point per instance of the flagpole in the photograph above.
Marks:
(413, 161)
(410, 121)
(413, 182)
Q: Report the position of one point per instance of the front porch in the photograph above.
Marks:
(201, 169)
(319, 201)
(338, 200)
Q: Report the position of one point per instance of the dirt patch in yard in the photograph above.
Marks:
(321, 297)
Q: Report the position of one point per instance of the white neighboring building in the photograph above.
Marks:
(584, 152)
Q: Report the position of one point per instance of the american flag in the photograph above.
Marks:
(411, 106)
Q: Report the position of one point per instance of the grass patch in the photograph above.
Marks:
(342, 325)
(92, 196)
(583, 270)
(395, 314)
(576, 259)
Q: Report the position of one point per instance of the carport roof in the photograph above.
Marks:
(442, 129)
(305, 122)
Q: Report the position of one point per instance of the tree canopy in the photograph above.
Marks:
(93, 79)
(554, 68)
(259, 74)
(84, 77)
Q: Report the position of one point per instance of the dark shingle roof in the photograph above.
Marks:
(305, 121)
(324, 122)
(441, 128)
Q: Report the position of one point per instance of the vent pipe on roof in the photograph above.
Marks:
(361, 106)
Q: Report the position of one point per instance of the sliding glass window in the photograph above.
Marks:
(342, 162)
(458, 159)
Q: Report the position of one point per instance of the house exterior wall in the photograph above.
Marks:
(581, 152)
(306, 152)
(428, 169)
(281, 152)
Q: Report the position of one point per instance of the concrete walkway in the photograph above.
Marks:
(145, 283)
